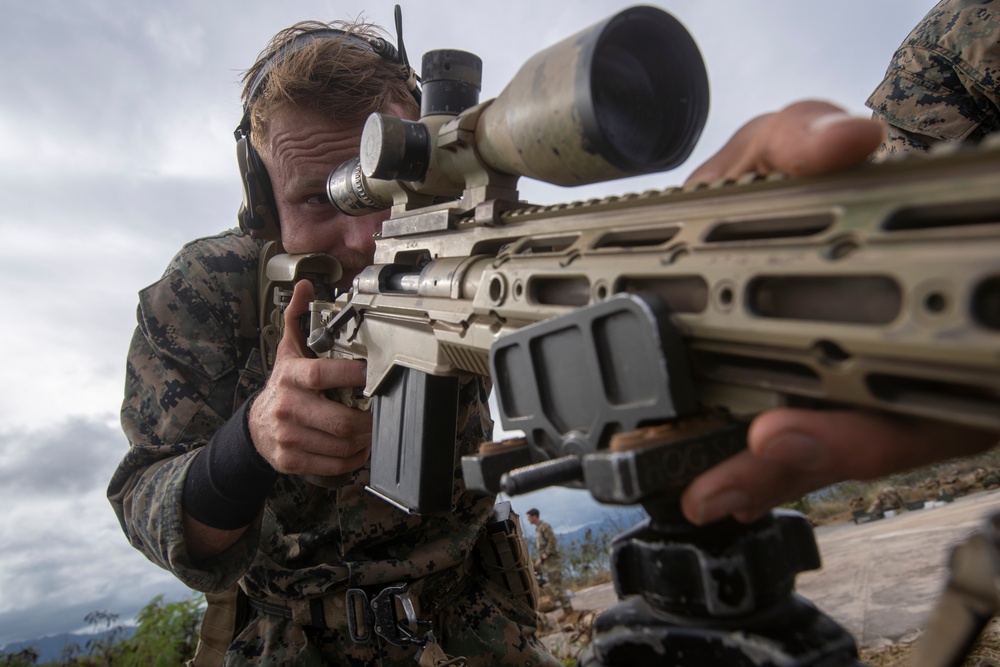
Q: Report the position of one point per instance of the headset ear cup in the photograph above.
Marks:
(258, 215)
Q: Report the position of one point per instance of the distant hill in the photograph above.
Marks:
(604, 524)
(51, 648)
(611, 524)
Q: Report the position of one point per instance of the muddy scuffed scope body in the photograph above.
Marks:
(627, 96)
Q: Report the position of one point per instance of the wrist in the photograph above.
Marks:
(228, 480)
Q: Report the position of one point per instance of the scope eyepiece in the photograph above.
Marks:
(345, 187)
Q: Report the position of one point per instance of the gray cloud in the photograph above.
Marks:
(160, 211)
(62, 553)
(68, 458)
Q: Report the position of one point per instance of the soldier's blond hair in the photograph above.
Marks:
(332, 77)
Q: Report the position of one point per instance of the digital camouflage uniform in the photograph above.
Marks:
(943, 83)
(551, 565)
(194, 359)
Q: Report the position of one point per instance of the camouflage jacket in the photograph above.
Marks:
(545, 540)
(943, 82)
(194, 359)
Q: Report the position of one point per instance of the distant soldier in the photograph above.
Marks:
(549, 561)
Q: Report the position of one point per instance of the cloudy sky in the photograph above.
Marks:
(116, 147)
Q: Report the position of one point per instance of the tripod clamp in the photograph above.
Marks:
(585, 388)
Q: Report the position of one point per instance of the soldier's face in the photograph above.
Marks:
(304, 149)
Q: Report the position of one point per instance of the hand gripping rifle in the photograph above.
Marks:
(632, 338)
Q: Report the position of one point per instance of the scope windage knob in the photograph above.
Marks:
(394, 148)
(451, 81)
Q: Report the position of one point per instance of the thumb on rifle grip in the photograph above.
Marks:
(293, 340)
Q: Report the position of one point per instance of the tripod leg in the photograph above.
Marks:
(717, 595)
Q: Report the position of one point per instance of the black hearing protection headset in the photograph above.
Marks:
(258, 214)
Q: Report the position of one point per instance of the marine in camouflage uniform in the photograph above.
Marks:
(193, 362)
(943, 83)
(193, 368)
(549, 559)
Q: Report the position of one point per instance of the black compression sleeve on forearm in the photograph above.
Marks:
(228, 480)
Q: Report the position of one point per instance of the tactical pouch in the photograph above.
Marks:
(503, 554)
(224, 618)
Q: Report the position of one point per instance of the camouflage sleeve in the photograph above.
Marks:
(182, 385)
(942, 83)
